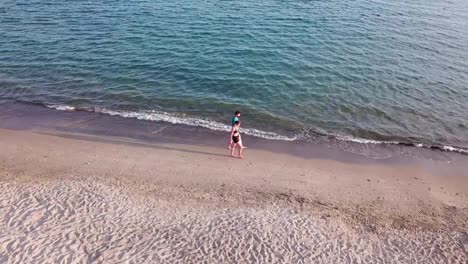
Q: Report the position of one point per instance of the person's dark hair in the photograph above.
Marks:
(236, 123)
(236, 113)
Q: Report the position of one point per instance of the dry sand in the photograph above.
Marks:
(85, 199)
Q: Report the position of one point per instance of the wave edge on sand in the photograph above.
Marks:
(160, 116)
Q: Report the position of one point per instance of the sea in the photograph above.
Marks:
(363, 71)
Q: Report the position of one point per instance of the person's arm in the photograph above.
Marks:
(232, 134)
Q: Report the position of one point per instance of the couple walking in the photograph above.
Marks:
(235, 139)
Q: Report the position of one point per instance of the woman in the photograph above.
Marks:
(236, 140)
(235, 118)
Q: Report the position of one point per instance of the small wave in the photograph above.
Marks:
(365, 141)
(453, 149)
(176, 119)
(212, 125)
(62, 107)
(417, 145)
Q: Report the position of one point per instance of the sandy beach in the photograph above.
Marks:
(115, 120)
(74, 198)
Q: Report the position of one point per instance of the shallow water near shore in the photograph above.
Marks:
(33, 117)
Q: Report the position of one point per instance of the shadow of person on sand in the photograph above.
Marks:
(130, 142)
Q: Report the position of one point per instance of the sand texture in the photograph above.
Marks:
(82, 199)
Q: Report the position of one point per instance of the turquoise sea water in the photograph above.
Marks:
(368, 71)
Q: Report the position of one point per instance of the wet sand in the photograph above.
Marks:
(89, 198)
(36, 117)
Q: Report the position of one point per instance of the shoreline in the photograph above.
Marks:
(377, 146)
(34, 117)
(112, 187)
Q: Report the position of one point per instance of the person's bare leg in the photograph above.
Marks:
(240, 150)
(232, 149)
(240, 141)
(241, 144)
(230, 144)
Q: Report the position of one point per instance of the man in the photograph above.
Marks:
(234, 119)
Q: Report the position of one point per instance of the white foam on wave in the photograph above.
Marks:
(364, 141)
(180, 120)
(418, 145)
(62, 107)
(212, 125)
(453, 149)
